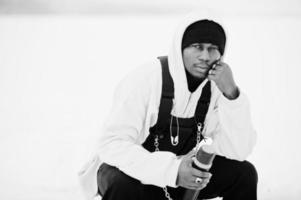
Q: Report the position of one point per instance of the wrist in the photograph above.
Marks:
(232, 94)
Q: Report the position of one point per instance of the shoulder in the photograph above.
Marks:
(146, 71)
(141, 79)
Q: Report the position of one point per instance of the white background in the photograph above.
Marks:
(58, 73)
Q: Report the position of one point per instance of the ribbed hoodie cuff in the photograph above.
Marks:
(234, 102)
(173, 173)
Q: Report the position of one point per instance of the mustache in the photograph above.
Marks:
(209, 66)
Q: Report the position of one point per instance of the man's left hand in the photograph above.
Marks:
(222, 75)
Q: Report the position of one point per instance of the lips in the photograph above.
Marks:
(202, 66)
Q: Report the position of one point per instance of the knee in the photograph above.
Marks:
(249, 173)
(125, 186)
(124, 183)
(114, 184)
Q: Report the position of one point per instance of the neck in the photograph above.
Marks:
(193, 82)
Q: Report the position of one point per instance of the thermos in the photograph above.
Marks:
(202, 161)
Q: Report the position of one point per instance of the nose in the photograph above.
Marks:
(204, 55)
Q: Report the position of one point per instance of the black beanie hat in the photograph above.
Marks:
(205, 31)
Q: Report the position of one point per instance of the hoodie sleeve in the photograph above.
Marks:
(234, 136)
(120, 143)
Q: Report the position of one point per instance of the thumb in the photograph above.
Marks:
(191, 153)
(188, 157)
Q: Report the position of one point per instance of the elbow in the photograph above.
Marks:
(243, 155)
(244, 151)
(245, 147)
(239, 155)
(239, 151)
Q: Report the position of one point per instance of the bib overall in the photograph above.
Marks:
(178, 135)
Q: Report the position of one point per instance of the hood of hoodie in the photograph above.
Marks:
(183, 97)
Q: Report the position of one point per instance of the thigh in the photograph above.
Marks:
(114, 184)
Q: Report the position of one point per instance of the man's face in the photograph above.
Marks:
(198, 58)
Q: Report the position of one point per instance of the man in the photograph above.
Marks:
(163, 110)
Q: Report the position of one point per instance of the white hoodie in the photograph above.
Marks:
(135, 110)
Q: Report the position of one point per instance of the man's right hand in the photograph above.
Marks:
(187, 175)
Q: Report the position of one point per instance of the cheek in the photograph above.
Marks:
(216, 56)
(187, 62)
(184, 57)
(187, 57)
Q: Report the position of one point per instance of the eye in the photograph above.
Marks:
(197, 46)
(213, 48)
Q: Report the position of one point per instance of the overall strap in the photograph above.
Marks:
(203, 103)
(167, 96)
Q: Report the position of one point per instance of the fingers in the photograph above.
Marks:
(189, 177)
(200, 174)
(197, 185)
(216, 73)
(215, 70)
(201, 178)
(191, 183)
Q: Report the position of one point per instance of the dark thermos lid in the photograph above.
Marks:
(205, 155)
